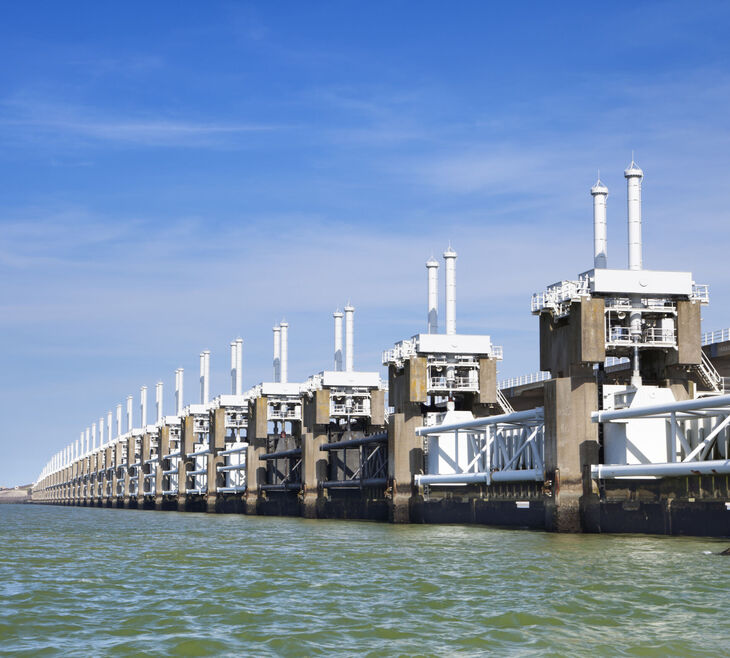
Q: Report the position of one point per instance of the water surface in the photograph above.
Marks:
(83, 582)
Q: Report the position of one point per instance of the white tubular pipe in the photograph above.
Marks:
(349, 338)
(130, 403)
(450, 260)
(178, 392)
(716, 402)
(93, 436)
(143, 406)
(101, 431)
(337, 315)
(109, 427)
(453, 478)
(284, 367)
(76, 456)
(674, 469)
(525, 475)
(88, 441)
(634, 176)
(277, 354)
(158, 402)
(535, 415)
(432, 267)
(239, 367)
(80, 445)
(204, 376)
(599, 192)
(234, 362)
(119, 420)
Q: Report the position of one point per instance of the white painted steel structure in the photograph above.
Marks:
(337, 315)
(432, 268)
(158, 402)
(179, 391)
(694, 437)
(502, 448)
(349, 338)
(277, 353)
(284, 368)
(634, 176)
(143, 406)
(599, 192)
(450, 268)
(204, 377)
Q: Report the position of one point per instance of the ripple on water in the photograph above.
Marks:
(122, 582)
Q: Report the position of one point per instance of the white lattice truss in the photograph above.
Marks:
(504, 448)
(697, 437)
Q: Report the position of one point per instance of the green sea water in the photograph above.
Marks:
(94, 582)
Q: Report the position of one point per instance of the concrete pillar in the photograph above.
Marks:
(187, 439)
(130, 457)
(217, 438)
(108, 477)
(117, 496)
(144, 468)
(258, 429)
(405, 449)
(92, 479)
(571, 446)
(487, 381)
(316, 417)
(162, 464)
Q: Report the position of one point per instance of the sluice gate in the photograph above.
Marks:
(625, 428)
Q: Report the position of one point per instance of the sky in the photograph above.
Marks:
(174, 175)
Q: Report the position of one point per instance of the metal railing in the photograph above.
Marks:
(650, 336)
(531, 378)
(719, 336)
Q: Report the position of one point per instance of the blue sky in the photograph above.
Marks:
(174, 175)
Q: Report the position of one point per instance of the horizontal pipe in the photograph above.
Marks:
(339, 445)
(453, 478)
(233, 451)
(280, 455)
(684, 405)
(199, 453)
(676, 469)
(355, 484)
(515, 417)
(289, 486)
(232, 467)
(520, 475)
(232, 489)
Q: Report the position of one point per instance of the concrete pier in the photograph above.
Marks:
(440, 441)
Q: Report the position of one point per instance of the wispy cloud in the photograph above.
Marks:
(28, 117)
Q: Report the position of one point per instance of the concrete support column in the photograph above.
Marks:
(74, 474)
(405, 449)
(217, 438)
(316, 417)
(119, 473)
(571, 446)
(162, 464)
(130, 458)
(187, 439)
(92, 479)
(258, 428)
(144, 468)
(108, 477)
